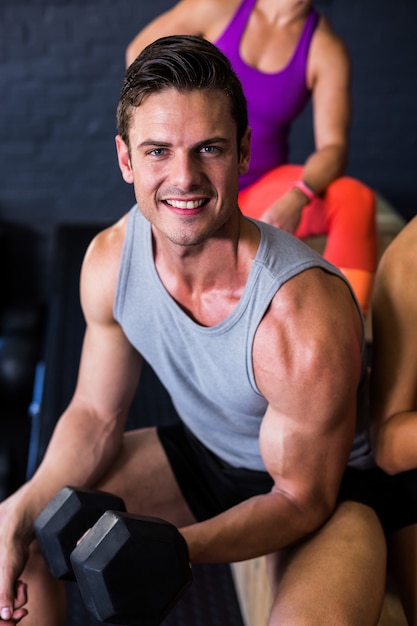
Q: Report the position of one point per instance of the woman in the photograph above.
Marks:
(284, 52)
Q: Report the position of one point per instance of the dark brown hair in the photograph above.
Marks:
(183, 63)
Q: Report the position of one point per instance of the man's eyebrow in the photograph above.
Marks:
(153, 142)
(210, 140)
(200, 144)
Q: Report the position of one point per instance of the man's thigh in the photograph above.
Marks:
(336, 577)
(143, 477)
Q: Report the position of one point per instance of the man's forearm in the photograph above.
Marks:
(257, 526)
(80, 451)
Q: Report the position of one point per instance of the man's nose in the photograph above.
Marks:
(185, 171)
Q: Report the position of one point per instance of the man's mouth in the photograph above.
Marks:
(186, 204)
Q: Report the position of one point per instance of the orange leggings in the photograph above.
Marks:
(345, 213)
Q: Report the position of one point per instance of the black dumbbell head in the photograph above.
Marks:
(63, 522)
(131, 569)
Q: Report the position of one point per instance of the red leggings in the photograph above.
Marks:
(345, 213)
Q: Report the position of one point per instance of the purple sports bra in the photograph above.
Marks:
(274, 100)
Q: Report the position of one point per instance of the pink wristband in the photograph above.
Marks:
(305, 189)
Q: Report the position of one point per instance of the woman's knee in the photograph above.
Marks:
(358, 198)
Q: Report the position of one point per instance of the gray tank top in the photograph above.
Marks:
(221, 406)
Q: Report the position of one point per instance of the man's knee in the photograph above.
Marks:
(335, 577)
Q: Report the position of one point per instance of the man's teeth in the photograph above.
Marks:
(182, 204)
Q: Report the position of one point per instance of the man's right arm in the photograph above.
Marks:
(88, 435)
(107, 379)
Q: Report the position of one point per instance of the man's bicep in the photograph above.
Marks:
(308, 429)
(109, 366)
(109, 370)
(306, 450)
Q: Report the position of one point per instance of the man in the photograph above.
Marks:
(285, 53)
(259, 342)
(394, 400)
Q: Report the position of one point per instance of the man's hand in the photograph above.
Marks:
(12, 611)
(14, 553)
(286, 213)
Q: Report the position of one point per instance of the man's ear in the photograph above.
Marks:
(124, 159)
(245, 152)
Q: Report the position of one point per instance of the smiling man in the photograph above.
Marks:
(181, 156)
(260, 344)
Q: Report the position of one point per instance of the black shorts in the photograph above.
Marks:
(394, 498)
(211, 486)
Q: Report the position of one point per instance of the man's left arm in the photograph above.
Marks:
(307, 365)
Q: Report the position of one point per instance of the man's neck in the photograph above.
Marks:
(208, 280)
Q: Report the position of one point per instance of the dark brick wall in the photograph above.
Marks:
(62, 65)
(61, 68)
(380, 35)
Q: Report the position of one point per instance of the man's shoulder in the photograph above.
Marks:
(287, 251)
(109, 242)
(102, 259)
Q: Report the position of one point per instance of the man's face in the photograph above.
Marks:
(184, 163)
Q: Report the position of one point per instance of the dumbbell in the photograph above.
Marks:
(130, 569)
(65, 519)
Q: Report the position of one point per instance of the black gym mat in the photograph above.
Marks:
(211, 599)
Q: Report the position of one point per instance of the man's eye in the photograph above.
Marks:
(158, 151)
(209, 149)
